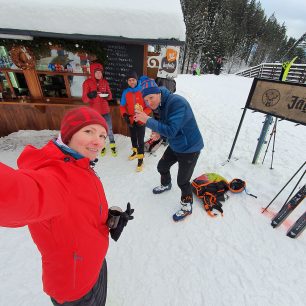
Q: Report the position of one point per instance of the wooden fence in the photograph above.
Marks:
(296, 74)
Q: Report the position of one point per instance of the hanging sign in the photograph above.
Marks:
(168, 63)
(280, 99)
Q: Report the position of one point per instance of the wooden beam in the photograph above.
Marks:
(67, 85)
(33, 84)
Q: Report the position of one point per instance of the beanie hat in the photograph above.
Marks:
(148, 87)
(132, 75)
(77, 118)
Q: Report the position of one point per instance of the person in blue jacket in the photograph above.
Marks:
(178, 124)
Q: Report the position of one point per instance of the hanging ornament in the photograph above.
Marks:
(22, 57)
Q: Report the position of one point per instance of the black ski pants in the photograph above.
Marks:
(137, 133)
(186, 163)
(96, 296)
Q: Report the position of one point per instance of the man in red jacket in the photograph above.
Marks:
(97, 93)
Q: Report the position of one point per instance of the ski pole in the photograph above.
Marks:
(295, 187)
(237, 133)
(284, 186)
(273, 143)
(269, 143)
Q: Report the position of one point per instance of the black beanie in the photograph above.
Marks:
(132, 75)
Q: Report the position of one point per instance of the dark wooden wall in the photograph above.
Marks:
(27, 116)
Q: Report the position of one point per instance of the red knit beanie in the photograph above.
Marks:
(77, 118)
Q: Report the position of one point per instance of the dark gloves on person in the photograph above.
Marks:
(126, 118)
(92, 94)
(137, 124)
(123, 220)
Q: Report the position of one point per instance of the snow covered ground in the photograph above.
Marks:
(235, 260)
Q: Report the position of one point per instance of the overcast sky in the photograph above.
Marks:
(292, 12)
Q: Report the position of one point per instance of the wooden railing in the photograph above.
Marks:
(296, 74)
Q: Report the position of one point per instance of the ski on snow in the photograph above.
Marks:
(289, 207)
(297, 228)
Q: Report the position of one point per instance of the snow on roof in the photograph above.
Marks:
(134, 19)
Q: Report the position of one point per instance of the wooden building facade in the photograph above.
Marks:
(31, 98)
(36, 88)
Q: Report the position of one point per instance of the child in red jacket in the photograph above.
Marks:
(132, 99)
(97, 93)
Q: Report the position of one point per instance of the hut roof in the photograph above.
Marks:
(155, 21)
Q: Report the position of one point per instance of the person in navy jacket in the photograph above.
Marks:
(178, 124)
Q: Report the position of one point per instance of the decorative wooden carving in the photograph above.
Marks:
(22, 57)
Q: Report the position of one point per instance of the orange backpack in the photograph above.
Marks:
(211, 188)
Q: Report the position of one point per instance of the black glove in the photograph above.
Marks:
(92, 94)
(126, 118)
(137, 124)
(124, 218)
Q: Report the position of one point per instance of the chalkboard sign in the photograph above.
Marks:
(122, 58)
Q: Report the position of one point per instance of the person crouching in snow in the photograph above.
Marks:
(58, 195)
(178, 124)
(97, 93)
(130, 101)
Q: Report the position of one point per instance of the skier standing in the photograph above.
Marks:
(178, 124)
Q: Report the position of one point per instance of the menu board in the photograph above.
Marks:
(121, 59)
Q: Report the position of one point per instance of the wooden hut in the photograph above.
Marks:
(45, 54)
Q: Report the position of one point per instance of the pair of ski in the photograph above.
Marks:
(151, 145)
(297, 228)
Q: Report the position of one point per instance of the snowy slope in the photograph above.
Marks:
(235, 260)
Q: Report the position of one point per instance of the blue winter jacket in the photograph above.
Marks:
(177, 123)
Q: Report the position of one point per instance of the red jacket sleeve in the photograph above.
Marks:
(86, 90)
(29, 196)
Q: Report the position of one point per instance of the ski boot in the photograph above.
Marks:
(162, 188)
(103, 152)
(134, 154)
(186, 209)
(112, 146)
(140, 162)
